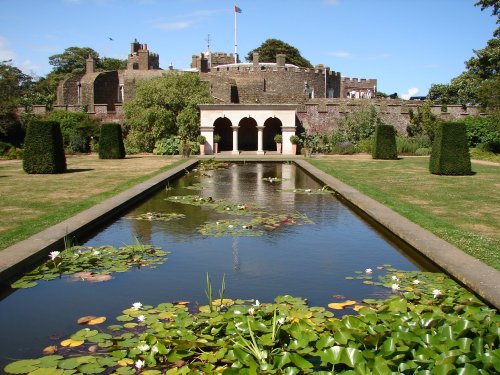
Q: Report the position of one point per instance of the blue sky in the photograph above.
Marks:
(405, 44)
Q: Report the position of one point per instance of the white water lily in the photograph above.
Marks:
(251, 310)
(238, 325)
(230, 226)
(257, 303)
(416, 282)
(54, 254)
(395, 278)
(96, 252)
(143, 347)
(136, 305)
(141, 318)
(395, 286)
(154, 349)
(281, 321)
(368, 270)
(237, 312)
(436, 293)
(139, 364)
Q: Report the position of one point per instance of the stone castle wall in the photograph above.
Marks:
(270, 85)
(324, 115)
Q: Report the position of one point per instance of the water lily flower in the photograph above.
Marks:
(251, 311)
(154, 349)
(368, 270)
(436, 293)
(395, 286)
(395, 278)
(54, 254)
(136, 305)
(143, 347)
(257, 303)
(230, 226)
(238, 325)
(416, 281)
(217, 222)
(141, 318)
(237, 312)
(281, 320)
(140, 364)
(96, 252)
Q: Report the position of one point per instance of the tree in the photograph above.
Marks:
(495, 4)
(163, 107)
(72, 60)
(108, 63)
(424, 122)
(13, 85)
(271, 47)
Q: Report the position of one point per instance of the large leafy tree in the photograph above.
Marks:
(479, 83)
(268, 50)
(164, 107)
(14, 84)
(72, 60)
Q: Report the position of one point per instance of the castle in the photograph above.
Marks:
(238, 83)
(311, 98)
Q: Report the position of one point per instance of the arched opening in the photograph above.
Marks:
(272, 126)
(222, 127)
(247, 135)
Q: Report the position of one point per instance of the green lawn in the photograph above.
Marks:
(32, 203)
(463, 210)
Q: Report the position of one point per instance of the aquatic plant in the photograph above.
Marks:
(416, 330)
(85, 263)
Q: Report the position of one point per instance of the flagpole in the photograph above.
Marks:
(235, 36)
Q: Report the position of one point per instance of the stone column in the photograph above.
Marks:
(260, 131)
(235, 140)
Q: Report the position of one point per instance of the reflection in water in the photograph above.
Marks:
(309, 261)
(236, 255)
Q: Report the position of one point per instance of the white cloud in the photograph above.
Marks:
(341, 54)
(29, 67)
(411, 92)
(173, 25)
(332, 2)
(5, 53)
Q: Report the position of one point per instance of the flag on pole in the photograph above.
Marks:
(236, 9)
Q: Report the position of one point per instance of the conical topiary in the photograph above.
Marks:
(450, 150)
(111, 142)
(43, 148)
(384, 143)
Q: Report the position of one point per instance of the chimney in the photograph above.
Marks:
(89, 65)
(255, 60)
(280, 60)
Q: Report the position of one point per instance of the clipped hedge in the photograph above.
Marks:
(43, 148)
(111, 142)
(384, 143)
(450, 151)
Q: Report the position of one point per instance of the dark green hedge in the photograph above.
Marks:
(43, 148)
(450, 150)
(384, 143)
(111, 142)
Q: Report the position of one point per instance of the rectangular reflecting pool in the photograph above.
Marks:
(270, 228)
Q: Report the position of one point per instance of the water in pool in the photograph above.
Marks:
(310, 260)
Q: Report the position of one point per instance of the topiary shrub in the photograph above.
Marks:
(111, 142)
(43, 148)
(384, 143)
(450, 151)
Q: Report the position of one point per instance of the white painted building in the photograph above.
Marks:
(248, 127)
